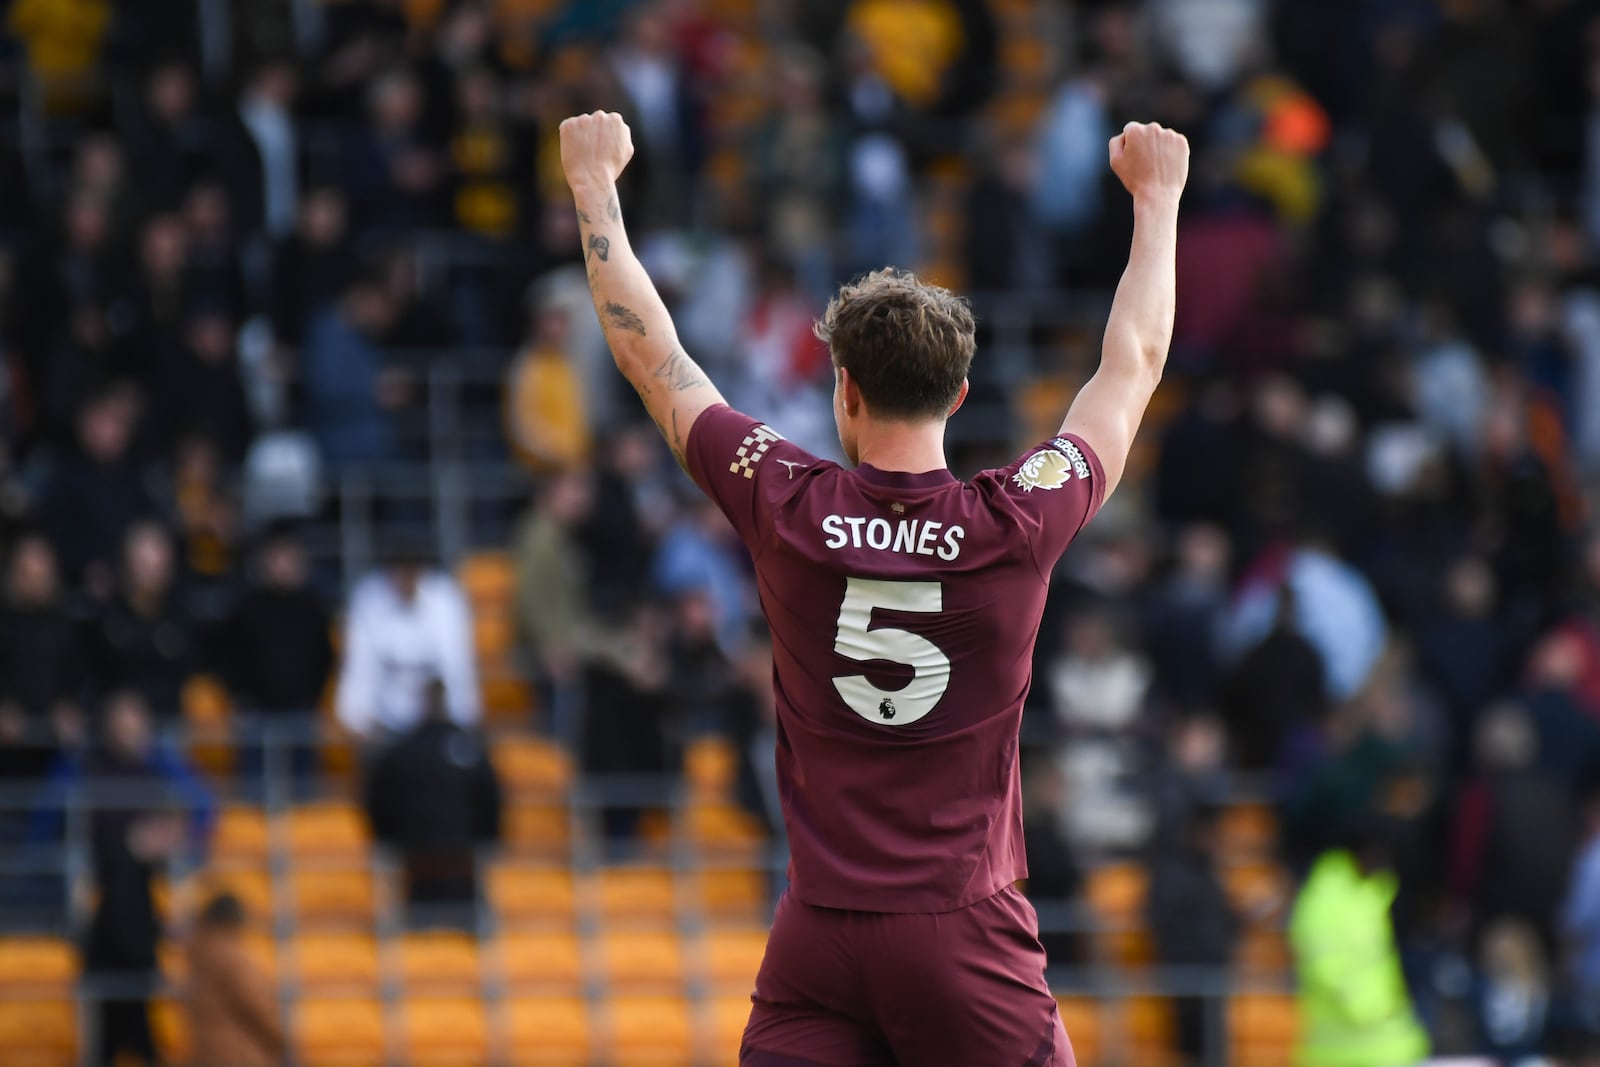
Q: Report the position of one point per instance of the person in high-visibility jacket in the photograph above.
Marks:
(1353, 1004)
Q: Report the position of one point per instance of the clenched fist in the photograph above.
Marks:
(1150, 159)
(594, 149)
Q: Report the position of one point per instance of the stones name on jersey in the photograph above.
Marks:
(909, 536)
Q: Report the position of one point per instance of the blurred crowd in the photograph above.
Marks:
(1354, 570)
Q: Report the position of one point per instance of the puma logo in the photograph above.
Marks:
(790, 466)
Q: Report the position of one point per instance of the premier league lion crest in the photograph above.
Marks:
(1045, 469)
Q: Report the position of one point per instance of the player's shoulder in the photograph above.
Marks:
(742, 446)
(1042, 469)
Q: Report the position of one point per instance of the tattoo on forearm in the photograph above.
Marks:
(679, 371)
(583, 216)
(677, 444)
(614, 209)
(600, 245)
(623, 318)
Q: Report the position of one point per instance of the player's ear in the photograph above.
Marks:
(961, 398)
(849, 393)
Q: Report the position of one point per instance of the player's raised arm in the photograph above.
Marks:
(594, 150)
(1153, 163)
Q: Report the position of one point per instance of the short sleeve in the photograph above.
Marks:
(745, 466)
(1051, 492)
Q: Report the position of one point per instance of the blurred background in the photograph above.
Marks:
(374, 689)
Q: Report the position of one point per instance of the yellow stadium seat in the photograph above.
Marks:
(240, 837)
(37, 965)
(523, 894)
(647, 1031)
(547, 1032)
(494, 636)
(507, 698)
(329, 959)
(488, 577)
(1261, 1029)
(733, 894)
(1116, 892)
(1150, 1032)
(443, 1033)
(328, 831)
(539, 830)
(633, 894)
(1081, 1017)
(1247, 829)
(439, 959)
(543, 961)
(170, 1025)
(339, 1033)
(1256, 888)
(531, 766)
(642, 960)
(38, 1033)
(724, 830)
(336, 894)
(709, 765)
(731, 958)
(722, 1029)
(1263, 948)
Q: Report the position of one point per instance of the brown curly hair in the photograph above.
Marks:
(907, 344)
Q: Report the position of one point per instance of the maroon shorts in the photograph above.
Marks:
(869, 989)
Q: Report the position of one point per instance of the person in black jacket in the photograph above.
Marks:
(1191, 918)
(275, 650)
(432, 796)
(146, 635)
(130, 843)
(40, 664)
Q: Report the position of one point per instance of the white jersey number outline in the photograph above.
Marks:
(857, 640)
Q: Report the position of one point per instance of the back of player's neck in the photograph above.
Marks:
(910, 448)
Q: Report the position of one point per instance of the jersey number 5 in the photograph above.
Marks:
(857, 640)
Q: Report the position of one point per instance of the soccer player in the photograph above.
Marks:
(903, 606)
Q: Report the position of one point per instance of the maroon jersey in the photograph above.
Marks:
(903, 610)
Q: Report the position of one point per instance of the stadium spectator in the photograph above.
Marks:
(167, 135)
(547, 407)
(1466, 648)
(275, 648)
(93, 496)
(41, 683)
(1191, 919)
(407, 625)
(553, 615)
(393, 174)
(145, 636)
(1097, 688)
(138, 793)
(1352, 1001)
(1276, 693)
(1184, 618)
(200, 392)
(1580, 917)
(627, 705)
(1514, 831)
(1055, 870)
(1513, 995)
(261, 152)
(349, 389)
(433, 796)
(312, 266)
(231, 1005)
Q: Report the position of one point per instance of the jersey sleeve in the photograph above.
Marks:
(746, 467)
(1050, 492)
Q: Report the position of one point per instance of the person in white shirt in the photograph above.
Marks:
(407, 625)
